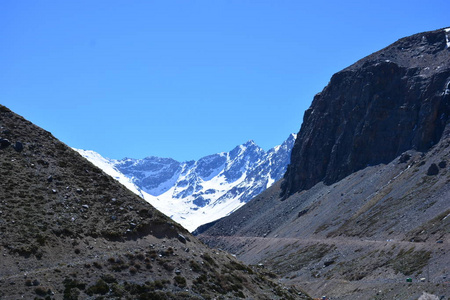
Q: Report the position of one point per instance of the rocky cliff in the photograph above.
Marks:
(391, 101)
(365, 202)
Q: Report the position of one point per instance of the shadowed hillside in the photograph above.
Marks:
(69, 231)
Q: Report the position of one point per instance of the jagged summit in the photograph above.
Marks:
(249, 143)
(391, 101)
(197, 192)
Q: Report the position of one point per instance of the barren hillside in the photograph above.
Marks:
(365, 203)
(69, 231)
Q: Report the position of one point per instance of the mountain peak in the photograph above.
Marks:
(391, 101)
(367, 183)
(249, 143)
(291, 138)
(197, 192)
(68, 230)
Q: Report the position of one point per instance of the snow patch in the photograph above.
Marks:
(447, 40)
(193, 200)
(270, 181)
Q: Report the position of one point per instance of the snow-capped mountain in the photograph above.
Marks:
(198, 192)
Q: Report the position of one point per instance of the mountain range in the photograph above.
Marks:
(70, 231)
(363, 210)
(197, 192)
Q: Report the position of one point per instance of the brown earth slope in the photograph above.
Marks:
(365, 203)
(69, 231)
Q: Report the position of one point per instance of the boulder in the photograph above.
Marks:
(18, 146)
(433, 170)
(4, 143)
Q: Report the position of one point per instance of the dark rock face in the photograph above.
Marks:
(371, 112)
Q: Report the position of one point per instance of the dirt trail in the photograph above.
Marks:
(344, 241)
(318, 279)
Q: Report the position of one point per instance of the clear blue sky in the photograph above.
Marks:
(184, 79)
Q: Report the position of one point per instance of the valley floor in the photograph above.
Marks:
(321, 266)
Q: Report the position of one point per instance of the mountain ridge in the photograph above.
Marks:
(364, 202)
(402, 89)
(197, 192)
(70, 231)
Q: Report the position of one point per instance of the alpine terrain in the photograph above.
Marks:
(363, 210)
(70, 231)
(197, 192)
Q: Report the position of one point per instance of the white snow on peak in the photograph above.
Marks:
(198, 192)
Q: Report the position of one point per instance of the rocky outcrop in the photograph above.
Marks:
(391, 101)
(386, 220)
(198, 192)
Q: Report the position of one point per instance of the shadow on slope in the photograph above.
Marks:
(69, 231)
(364, 202)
